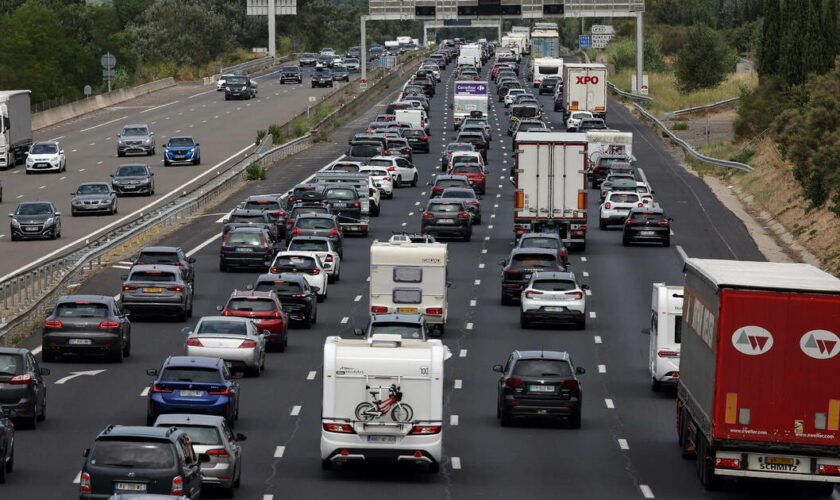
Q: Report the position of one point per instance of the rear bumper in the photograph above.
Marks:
(258, 260)
(541, 407)
(24, 407)
(554, 317)
(333, 446)
(658, 236)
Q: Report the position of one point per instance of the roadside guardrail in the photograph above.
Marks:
(704, 107)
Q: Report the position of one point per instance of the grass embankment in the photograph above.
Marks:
(187, 72)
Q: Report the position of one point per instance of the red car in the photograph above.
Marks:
(265, 310)
(474, 172)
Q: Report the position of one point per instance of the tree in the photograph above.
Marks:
(704, 60)
(768, 53)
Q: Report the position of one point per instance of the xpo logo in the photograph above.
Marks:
(583, 80)
(752, 340)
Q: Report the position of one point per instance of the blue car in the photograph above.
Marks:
(193, 384)
(181, 150)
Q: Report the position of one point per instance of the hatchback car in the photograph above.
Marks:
(298, 299)
(548, 85)
(170, 256)
(546, 240)
(308, 59)
(402, 170)
(317, 224)
(442, 182)
(477, 139)
(141, 460)
(469, 197)
(575, 118)
(451, 148)
(474, 172)
(272, 205)
(520, 265)
(344, 202)
(647, 225)
(133, 179)
(539, 384)
(382, 179)
(23, 390)
(308, 265)
(325, 249)
(182, 149)
(93, 197)
(210, 435)
(157, 289)
(237, 340)
(447, 218)
(45, 156)
(193, 384)
(553, 298)
(247, 247)
(265, 310)
(340, 74)
(591, 124)
(86, 325)
(417, 138)
(241, 217)
(304, 193)
(301, 208)
(291, 74)
(35, 220)
(616, 206)
(136, 139)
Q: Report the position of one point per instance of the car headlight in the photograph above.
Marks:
(76, 202)
(121, 142)
(30, 160)
(15, 223)
(147, 141)
(49, 221)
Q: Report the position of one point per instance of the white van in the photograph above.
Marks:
(665, 335)
(546, 66)
(409, 278)
(382, 401)
(416, 117)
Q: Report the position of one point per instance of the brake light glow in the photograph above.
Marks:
(391, 169)
(53, 323)
(424, 430)
(247, 344)
(333, 232)
(22, 379)
(463, 215)
(108, 324)
(223, 392)
(296, 231)
(273, 270)
(177, 486)
(530, 294)
(342, 428)
(129, 287)
(84, 483)
(315, 272)
(329, 258)
(608, 205)
(217, 452)
(577, 295)
(378, 309)
(196, 342)
(728, 463)
(514, 382)
(156, 388)
(428, 215)
(175, 288)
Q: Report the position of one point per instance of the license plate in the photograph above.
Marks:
(446, 221)
(407, 309)
(526, 276)
(30, 229)
(80, 342)
(244, 249)
(382, 439)
(780, 460)
(192, 394)
(554, 309)
(647, 233)
(541, 388)
(129, 487)
(153, 290)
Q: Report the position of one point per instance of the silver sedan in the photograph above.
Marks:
(93, 197)
(238, 341)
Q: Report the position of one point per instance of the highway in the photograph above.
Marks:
(626, 448)
(226, 131)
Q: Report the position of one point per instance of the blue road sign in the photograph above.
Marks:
(584, 41)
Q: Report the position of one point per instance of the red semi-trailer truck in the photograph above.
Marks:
(758, 395)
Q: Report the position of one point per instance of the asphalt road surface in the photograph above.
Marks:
(626, 448)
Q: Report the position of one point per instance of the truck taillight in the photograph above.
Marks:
(520, 199)
(84, 483)
(828, 470)
(668, 354)
(728, 463)
(581, 201)
(434, 310)
(422, 430)
(378, 309)
(342, 428)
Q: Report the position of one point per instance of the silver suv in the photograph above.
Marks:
(157, 290)
(136, 139)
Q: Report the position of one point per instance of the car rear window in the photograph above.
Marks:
(280, 286)
(445, 183)
(222, 326)
(466, 169)
(253, 239)
(413, 133)
(458, 193)
(624, 198)
(130, 454)
(190, 374)
(405, 330)
(445, 207)
(251, 304)
(10, 364)
(542, 368)
(309, 245)
(526, 261)
(524, 112)
(340, 194)
(247, 219)
(296, 262)
(81, 310)
(377, 173)
(365, 150)
(539, 243)
(156, 276)
(314, 223)
(554, 285)
(345, 167)
(262, 205)
(461, 147)
(201, 435)
(309, 210)
(157, 258)
(647, 217)
(381, 163)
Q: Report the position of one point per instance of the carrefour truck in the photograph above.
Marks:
(470, 96)
(15, 126)
(585, 88)
(382, 401)
(550, 185)
(757, 396)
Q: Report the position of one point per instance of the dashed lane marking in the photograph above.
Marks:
(295, 410)
(622, 443)
(477, 282)
(279, 451)
(602, 368)
(646, 491)
(311, 375)
(102, 124)
(358, 298)
(473, 303)
(585, 274)
(583, 259)
(461, 354)
(459, 383)
(453, 420)
(344, 320)
(598, 339)
(592, 314)
(456, 463)
(609, 403)
(588, 292)
(469, 326)
(144, 392)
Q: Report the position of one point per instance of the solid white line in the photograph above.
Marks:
(158, 107)
(268, 497)
(592, 315)
(36, 351)
(122, 220)
(682, 253)
(203, 244)
(602, 368)
(647, 492)
(456, 463)
(463, 353)
(101, 124)
(598, 339)
(344, 320)
(225, 216)
(453, 419)
(459, 383)
(609, 403)
(278, 452)
(202, 93)
(126, 262)
(121, 267)
(295, 410)
(358, 298)
(622, 443)
(144, 392)
(311, 375)
(57, 138)
(78, 478)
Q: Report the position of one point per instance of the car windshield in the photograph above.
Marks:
(539, 243)
(34, 209)
(157, 258)
(236, 80)
(405, 330)
(132, 171)
(222, 326)
(528, 261)
(554, 285)
(44, 149)
(93, 189)
(156, 276)
(542, 368)
(181, 142)
(309, 245)
(445, 207)
(81, 310)
(315, 223)
(295, 262)
(251, 304)
(261, 205)
(365, 150)
(624, 198)
(445, 183)
(130, 454)
(580, 116)
(11, 364)
(242, 238)
(290, 69)
(281, 287)
(190, 374)
(593, 124)
(466, 169)
(201, 435)
(135, 131)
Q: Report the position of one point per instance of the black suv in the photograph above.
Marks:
(541, 384)
(240, 87)
(299, 300)
(304, 192)
(322, 77)
(23, 391)
(87, 325)
(647, 225)
(241, 217)
(291, 74)
(417, 138)
(247, 247)
(548, 85)
(518, 267)
(153, 460)
(446, 217)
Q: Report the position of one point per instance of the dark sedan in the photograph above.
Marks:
(299, 301)
(315, 224)
(35, 219)
(446, 218)
(87, 325)
(548, 85)
(417, 138)
(133, 179)
(23, 392)
(518, 267)
(93, 197)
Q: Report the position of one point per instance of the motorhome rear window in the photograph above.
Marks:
(678, 329)
(407, 296)
(404, 274)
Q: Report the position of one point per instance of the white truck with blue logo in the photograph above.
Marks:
(470, 96)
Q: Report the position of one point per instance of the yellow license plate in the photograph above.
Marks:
(153, 290)
(781, 461)
(407, 309)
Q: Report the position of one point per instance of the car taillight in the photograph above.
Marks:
(175, 288)
(299, 295)
(473, 203)
(357, 204)
(608, 205)
(138, 264)
(156, 388)
(315, 272)
(831, 470)
(386, 152)
(437, 188)
(640, 204)
(480, 144)
(530, 294)
(512, 272)
(418, 430)
(577, 295)
(274, 270)
(391, 169)
(129, 287)
(84, 483)
(378, 309)
(664, 353)
(296, 231)
(629, 222)
(53, 323)
(428, 215)
(22, 379)
(463, 215)
(728, 463)
(108, 324)
(196, 342)
(514, 382)
(217, 452)
(342, 428)
(223, 392)
(247, 344)
(424, 138)
(434, 310)
(177, 486)
(665, 223)
(386, 179)
(570, 384)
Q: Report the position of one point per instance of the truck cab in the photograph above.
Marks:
(665, 335)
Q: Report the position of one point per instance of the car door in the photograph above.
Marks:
(192, 475)
(234, 446)
(125, 324)
(38, 386)
(405, 168)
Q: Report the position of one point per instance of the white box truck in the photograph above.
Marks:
(549, 179)
(15, 126)
(665, 332)
(585, 88)
(410, 278)
(469, 96)
(382, 401)
(470, 54)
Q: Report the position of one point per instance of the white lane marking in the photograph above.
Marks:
(682, 253)
(57, 138)
(592, 314)
(140, 210)
(19, 196)
(268, 497)
(203, 244)
(367, 279)
(423, 193)
(609, 403)
(588, 292)
(459, 383)
(278, 452)
(672, 232)
(344, 320)
(477, 282)
(100, 162)
(598, 339)
(583, 259)
(42, 187)
(462, 353)
(486, 238)
(62, 178)
(358, 298)
(311, 375)
(36, 351)
(121, 267)
(158, 107)
(622, 443)
(602, 368)
(481, 266)
(456, 463)
(416, 203)
(404, 224)
(647, 492)
(78, 478)
(469, 326)
(484, 250)
(73, 375)
(453, 420)
(410, 214)
(101, 124)
(108, 138)
(144, 392)
(225, 216)
(126, 262)
(473, 303)
(585, 274)
(295, 410)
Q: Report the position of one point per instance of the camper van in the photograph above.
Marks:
(409, 278)
(665, 335)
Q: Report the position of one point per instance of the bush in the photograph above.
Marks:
(255, 172)
(260, 137)
(704, 60)
(299, 127)
(743, 156)
(680, 126)
(758, 107)
(276, 134)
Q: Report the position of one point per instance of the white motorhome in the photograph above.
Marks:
(382, 400)
(665, 335)
(545, 67)
(411, 278)
(609, 142)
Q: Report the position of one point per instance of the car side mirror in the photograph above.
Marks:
(240, 437)
(186, 330)
(498, 368)
(670, 219)
(58, 213)
(580, 370)
(645, 331)
(61, 151)
(11, 214)
(152, 372)
(502, 262)
(198, 144)
(111, 175)
(44, 371)
(72, 194)
(219, 308)
(358, 332)
(152, 174)
(203, 458)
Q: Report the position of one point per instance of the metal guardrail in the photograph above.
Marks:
(704, 107)
(629, 95)
(249, 65)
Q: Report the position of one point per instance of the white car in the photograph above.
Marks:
(325, 249)
(616, 206)
(233, 339)
(402, 170)
(307, 264)
(381, 179)
(220, 83)
(644, 189)
(466, 157)
(337, 61)
(512, 93)
(434, 69)
(575, 118)
(45, 156)
(553, 298)
(352, 167)
(374, 198)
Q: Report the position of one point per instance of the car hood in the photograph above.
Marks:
(44, 157)
(131, 178)
(91, 197)
(28, 219)
(180, 148)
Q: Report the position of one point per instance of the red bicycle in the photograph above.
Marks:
(400, 412)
